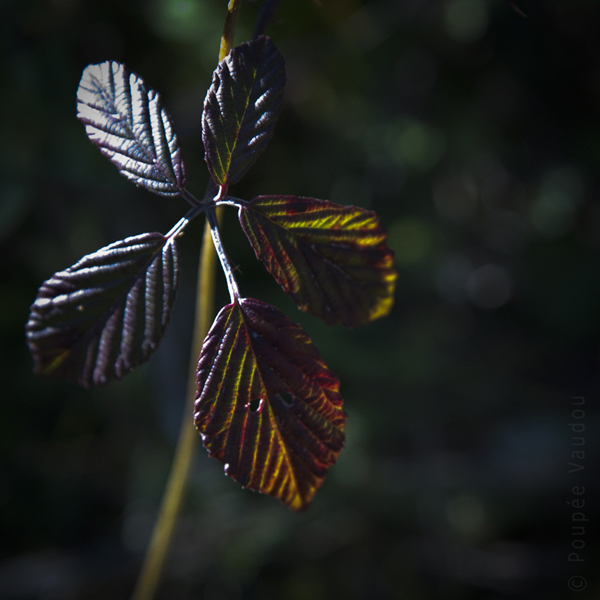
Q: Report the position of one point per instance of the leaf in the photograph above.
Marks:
(252, 359)
(129, 125)
(241, 108)
(331, 259)
(105, 315)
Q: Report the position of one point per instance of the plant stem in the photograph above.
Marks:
(265, 16)
(229, 29)
(184, 221)
(188, 436)
(234, 293)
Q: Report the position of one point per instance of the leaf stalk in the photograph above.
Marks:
(232, 201)
(234, 293)
(184, 221)
(189, 197)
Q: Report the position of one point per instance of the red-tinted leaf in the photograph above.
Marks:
(253, 358)
(106, 314)
(129, 125)
(331, 259)
(241, 108)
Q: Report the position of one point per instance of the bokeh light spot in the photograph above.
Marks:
(455, 197)
(451, 278)
(415, 144)
(554, 212)
(411, 240)
(466, 20)
(489, 287)
(466, 515)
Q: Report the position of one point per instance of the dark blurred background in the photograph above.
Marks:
(473, 128)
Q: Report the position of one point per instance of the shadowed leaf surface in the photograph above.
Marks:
(106, 314)
(241, 108)
(267, 405)
(331, 259)
(129, 125)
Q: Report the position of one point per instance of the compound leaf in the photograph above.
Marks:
(129, 125)
(241, 108)
(331, 259)
(106, 314)
(267, 405)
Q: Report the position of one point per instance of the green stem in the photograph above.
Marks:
(229, 29)
(188, 436)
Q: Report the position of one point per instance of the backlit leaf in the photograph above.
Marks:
(127, 122)
(241, 108)
(331, 259)
(106, 314)
(267, 405)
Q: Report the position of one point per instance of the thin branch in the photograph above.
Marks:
(234, 293)
(233, 201)
(183, 222)
(265, 16)
(517, 10)
(188, 436)
(229, 29)
(189, 197)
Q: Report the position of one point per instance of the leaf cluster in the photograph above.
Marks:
(267, 405)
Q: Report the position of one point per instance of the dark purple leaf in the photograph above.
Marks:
(267, 405)
(331, 259)
(241, 108)
(107, 313)
(129, 125)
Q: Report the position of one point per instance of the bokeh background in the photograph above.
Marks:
(473, 128)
